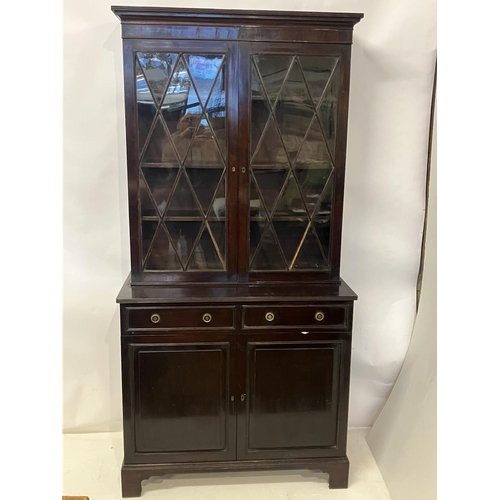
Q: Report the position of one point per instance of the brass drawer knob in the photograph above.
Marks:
(270, 316)
(155, 318)
(319, 316)
(207, 317)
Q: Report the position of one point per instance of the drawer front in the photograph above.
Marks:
(151, 318)
(334, 317)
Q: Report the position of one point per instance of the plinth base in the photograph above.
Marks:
(133, 475)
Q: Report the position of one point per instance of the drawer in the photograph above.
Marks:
(335, 317)
(151, 318)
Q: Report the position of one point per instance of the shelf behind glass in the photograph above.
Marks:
(182, 218)
(202, 166)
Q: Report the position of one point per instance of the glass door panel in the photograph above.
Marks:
(181, 109)
(292, 145)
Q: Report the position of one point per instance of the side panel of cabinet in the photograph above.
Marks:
(177, 405)
(295, 396)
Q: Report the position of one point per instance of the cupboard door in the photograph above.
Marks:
(180, 155)
(180, 402)
(294, 400)
(295, 130)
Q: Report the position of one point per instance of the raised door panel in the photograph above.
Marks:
(180, 402)
(294, 403)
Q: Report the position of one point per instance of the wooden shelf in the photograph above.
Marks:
(171, 165)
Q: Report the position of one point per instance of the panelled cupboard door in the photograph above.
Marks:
(181, 104)
(297, 117)
(295, 397)
(180, 402)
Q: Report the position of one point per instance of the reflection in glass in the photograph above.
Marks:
(293, 130)
(145, 108)
(294, 110)
(162, 254)
(270, 183)
(194, 108)
(327, 110)
(155, 183)
(206, 254)
(310, 256)
(268, 256)
(321, 222)
(290, 202)
(184, 235)
(269, 150)
(273, 69)
(322, 228)
(205, 182)
(156, 69)
(317, 72)
(148, 230)
(147, 206)
(181, 112)
(290, 234)
(257, 228)
(154, 150)
(183, 203)
(218, 229)
(313, 150)
(312, 183)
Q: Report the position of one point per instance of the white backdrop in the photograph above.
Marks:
(403, 438)
(394, 55)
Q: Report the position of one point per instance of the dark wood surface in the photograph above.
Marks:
(247, 394)
(181, 401)
(241, 293)
(231, 369)
(133, 475)
(234, 17)
(294, 316)
(292, 388)
(180, 317)
(285, 33)
(237, 51)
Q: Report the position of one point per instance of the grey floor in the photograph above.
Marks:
(91, 467)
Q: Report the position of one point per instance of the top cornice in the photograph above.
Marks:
(177, 16)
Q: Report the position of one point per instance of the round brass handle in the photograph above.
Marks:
(270, 316)
(207, 317)
(155, 318)
(319, 316)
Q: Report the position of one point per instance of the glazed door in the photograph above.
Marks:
(179, 401)
(294, 397)
(297, 103)
(181, 106)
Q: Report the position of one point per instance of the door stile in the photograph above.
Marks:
(241, 398)
(232, 208)
(243, 157)
(340, 160)
(132, 157)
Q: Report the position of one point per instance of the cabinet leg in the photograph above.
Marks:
(131, 484)
(339, 476)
